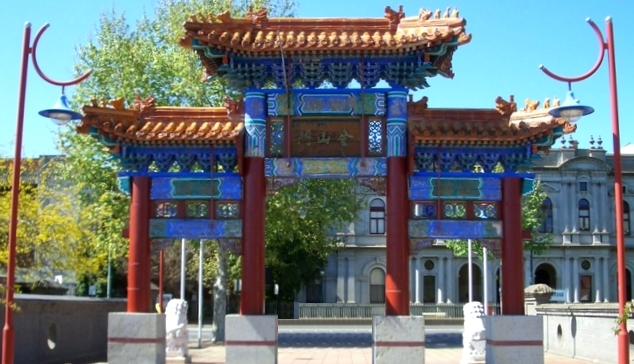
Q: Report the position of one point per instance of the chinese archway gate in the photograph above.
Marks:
(204, 172)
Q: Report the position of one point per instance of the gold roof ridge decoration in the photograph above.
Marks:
(257, 33)
(145, 123)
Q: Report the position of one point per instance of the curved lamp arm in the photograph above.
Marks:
(39, 71)
(602, 48)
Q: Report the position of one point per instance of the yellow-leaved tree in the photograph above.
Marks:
(53, 233)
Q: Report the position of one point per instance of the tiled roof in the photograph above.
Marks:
(394, 33)
(161, 125)
(480, 126)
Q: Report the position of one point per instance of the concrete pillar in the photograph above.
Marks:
(254, 203)
(514, 339)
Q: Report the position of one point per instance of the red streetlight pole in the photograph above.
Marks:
(570, 110)
(60, 113)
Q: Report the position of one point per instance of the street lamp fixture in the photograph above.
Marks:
(60, 112)
(570, 110)
(573, 111)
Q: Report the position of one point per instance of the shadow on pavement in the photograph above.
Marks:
(358, 340)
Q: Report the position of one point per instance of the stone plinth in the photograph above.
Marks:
(534, 295)
(398, 339)
(136, 338)
(251, 339)
(514, 339)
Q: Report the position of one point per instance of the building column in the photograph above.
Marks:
(417, 280)
(573, 203)
(527, 272)
(441, 279)
(351, 280)
(595, 215)
(565, 207)
(341, 279)
(139, 262)
(565, 278)
(512, 247)
(451, 279)
(254, 204)
(597, 279)
(603, 196)
(606, 280)
(575, 278)
(397, 252)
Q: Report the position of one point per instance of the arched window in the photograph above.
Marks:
(626, 218)
(377, 216)
(547, 214)
(584, 215)
(377, 286)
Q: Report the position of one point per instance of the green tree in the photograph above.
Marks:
(144, 59)
(304, 225)
(532, 218)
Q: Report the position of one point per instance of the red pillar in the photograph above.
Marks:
(139, 253)
(254, 204)
(397, 252)
(512, 248)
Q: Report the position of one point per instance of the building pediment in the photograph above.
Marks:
(585, 163)
(549, 188)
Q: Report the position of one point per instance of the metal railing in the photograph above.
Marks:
(355, 310)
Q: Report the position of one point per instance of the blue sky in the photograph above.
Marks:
(510, 40)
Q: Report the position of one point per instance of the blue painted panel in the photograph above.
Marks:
(456, 188)
(195, 229)
(326, 103)
(325, 167)
(455, 229)
(171, 188)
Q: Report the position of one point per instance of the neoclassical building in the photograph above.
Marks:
(581, 262)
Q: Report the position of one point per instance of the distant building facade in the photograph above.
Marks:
(581, 262)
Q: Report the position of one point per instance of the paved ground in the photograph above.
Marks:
(346, 345)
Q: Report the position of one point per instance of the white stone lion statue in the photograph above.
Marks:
(177, 337)
(474, 335)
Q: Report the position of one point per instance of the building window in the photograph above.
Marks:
(377, 216)
(583, 186)
(377, 286)
(313, 293)
(585, 288)
(626, 218)
(547, 214)
(584, 215)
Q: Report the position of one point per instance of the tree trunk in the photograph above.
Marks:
(220, 295)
